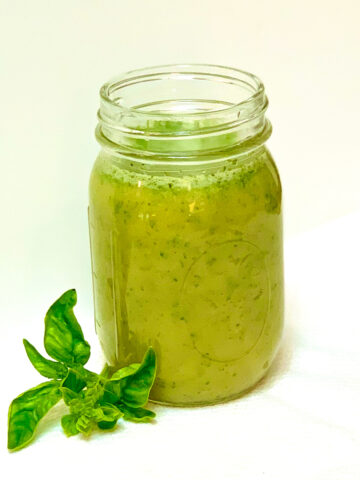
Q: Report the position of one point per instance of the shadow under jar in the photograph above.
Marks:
(186, 230)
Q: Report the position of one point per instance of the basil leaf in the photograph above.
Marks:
(68, 423)
(111, 393)
(69, 395)
(111, 415)
(126, 371)
(85, 424)
(73, 381)
(64, 340)
(138, 415)
(135, 388)
(132, 384)
(47, 368)
(110, 412)
(27, 410)
(107, 425)
(112, 387)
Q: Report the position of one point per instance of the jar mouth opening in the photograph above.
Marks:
(182, 110)
(231, 90)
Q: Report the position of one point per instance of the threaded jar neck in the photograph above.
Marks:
(183, 113)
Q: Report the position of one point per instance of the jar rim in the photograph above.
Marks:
(222, 73)
(184, 111)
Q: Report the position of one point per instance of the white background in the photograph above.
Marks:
(54, 56)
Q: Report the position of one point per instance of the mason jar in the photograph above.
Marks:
(186, 230)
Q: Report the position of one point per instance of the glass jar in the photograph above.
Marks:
(186, 230)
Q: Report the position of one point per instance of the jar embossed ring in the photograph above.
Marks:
(186, 230)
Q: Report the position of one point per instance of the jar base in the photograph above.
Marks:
(211, 403)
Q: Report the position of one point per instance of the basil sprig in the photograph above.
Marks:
(94, 400)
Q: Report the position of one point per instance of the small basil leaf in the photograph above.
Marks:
(96, 414)
(112, 390)
(107, 425)
(111, 393)
(138, 415)
(84, 424)
(47, 368)
(77, 407)
(69, 395)
(110, 412)
(68, 423)
(126, 371)
(135, 388)
(27, 410)
(64, 340)
(73, 381)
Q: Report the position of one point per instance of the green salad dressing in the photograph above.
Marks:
(186, 230)
(190, 263)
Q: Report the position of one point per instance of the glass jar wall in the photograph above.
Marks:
(186, 230)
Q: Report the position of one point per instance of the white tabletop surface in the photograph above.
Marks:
(301, 422)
